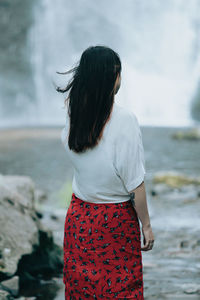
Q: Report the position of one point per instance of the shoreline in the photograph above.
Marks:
(176, 250)
(54, 131)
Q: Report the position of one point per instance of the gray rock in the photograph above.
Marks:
(196, 245)
(11, 285)
(160, 189)
(27, 247)
(184, 244)
(22, 185)
(18, 222)
(192, 290)
(40, 196)
(5, 295)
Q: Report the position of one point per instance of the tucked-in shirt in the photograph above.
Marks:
(108, 172)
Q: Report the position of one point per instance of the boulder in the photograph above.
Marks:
(5, 295)
(40, 196)
(18, 222)
(11, 285)
(27, 248)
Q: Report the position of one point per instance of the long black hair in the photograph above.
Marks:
(91, 95)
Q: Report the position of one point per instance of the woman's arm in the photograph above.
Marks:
(143, 214)
(141, 205)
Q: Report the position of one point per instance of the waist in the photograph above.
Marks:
(121, 203)
(99, 194)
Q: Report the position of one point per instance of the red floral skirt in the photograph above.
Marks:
(102, 251)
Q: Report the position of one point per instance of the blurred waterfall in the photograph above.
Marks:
(158, 42)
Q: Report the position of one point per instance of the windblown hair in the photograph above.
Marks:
(91, 96)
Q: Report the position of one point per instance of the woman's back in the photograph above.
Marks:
(110, 170)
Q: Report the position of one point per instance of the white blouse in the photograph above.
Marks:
(111, 170)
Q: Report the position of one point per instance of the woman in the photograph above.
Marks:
(102, 243)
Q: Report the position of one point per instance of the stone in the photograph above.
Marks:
(40, 196)
(160, 189)
(196, 245)
(11, 285)
(54, 217)
(18, 222)
(21, 185)
(184, 244)
(27, 247)
(4, 295)
(190, 288)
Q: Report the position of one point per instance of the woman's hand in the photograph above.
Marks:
(148, 238)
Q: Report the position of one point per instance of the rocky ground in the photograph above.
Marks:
(28, 252)
(36, 206)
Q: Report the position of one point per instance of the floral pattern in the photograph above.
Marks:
(102, 251)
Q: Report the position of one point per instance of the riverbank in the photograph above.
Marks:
(171, 269)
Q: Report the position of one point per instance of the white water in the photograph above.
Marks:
(156, 40)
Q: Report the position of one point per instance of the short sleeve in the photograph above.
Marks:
(129, 160)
